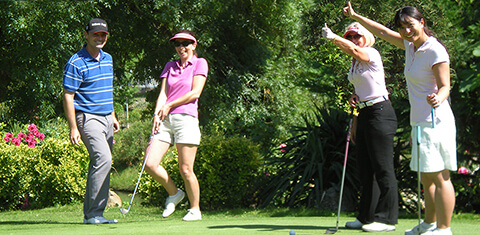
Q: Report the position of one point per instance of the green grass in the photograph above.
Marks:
(148, 220)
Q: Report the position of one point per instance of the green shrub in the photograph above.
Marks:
(130, 144)
(49, 174)
(226, 169)
(467, 184)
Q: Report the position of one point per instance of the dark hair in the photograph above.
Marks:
(412, 12)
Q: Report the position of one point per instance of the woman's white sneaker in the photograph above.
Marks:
(172, 202)
(193, 214)
(438, 231)
(424, 227)
(378, 227)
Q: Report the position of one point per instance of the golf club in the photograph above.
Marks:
(334, 230)
(419, 203)
(125, 211)
(433, 117)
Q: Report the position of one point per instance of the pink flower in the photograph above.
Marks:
(40, 136)
(463, 170)
(9, 135)
(21, 135)
(17, 141)
(31, 144)
(281, 147)
(28, 138)
(113, 142)
(32, 128)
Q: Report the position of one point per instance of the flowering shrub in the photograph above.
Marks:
(463, 171)
(51, 173)
(31, 138)
(282, 148)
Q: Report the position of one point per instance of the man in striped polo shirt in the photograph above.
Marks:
(88, 105)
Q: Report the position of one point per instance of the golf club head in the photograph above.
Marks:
(331, 231)
(123, 211)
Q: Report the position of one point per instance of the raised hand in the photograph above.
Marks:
(348, 10)
(327, 33)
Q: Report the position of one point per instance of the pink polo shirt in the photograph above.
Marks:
(180, 81)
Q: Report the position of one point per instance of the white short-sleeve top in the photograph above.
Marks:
(368, 77)
(421, 81)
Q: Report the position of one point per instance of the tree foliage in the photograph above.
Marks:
(268, 63)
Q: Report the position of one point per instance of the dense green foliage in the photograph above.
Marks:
(130, 144)
(227, 169)
(311, 162)
(52, 173)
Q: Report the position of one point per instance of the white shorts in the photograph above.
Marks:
(438, 148)
(179, 128)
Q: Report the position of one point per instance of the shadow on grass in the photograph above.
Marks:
(24, 222)
(266, 227)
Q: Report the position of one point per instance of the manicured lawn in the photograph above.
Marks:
(147, 220)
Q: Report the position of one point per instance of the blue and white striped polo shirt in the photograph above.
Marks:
(91, 80)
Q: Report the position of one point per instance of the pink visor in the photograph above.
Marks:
(184, 36)
(353, 30)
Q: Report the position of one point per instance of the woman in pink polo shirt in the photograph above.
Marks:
(427, 72)
(376, 126)
(175, 121)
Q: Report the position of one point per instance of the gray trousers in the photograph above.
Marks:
(97, 135)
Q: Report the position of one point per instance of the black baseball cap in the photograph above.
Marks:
(96, 25)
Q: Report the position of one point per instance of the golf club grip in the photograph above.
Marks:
(433, 117)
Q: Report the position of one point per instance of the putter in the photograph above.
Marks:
(334, 230)
(125, 211)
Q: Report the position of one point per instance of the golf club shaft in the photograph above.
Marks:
(344, 169)
(419, 204)
(141, 171)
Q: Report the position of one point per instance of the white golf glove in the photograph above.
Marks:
(327, 33)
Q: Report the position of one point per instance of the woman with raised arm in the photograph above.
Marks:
(427, 72)
(376, 126)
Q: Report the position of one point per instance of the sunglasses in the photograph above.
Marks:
(354, 36)
(184, 43)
